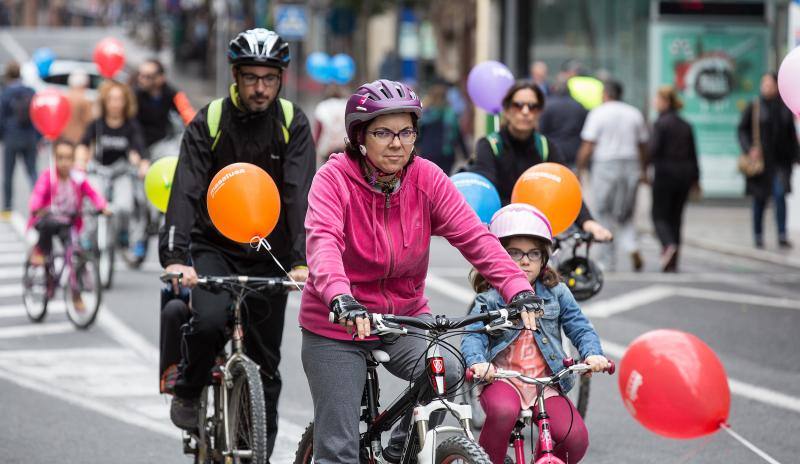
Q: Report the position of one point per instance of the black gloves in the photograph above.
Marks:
(527, 301)
(346, 308)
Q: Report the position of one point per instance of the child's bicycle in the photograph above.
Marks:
(232, 424)
(70, 268)
(421, 444)
(542, 420)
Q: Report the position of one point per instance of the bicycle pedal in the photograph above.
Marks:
(189, 443)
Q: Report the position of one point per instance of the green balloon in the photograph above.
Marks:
(586, 90)
(158, 182)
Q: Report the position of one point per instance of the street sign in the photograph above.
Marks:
(291, 21)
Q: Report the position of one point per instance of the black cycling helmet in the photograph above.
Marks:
(583, 277)
(259, 47)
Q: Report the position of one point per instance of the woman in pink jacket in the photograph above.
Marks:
(371, 214)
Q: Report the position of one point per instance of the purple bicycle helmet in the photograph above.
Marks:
(378, 98)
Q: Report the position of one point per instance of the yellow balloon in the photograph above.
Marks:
(158, 182)
(586, 90)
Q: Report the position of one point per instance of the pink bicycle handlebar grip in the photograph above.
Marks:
(469, 375)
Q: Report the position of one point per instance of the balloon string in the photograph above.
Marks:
(760, 453)
(259, 242)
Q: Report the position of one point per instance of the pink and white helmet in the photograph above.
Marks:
(521, 219)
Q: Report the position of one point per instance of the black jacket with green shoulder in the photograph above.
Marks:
(277, 140)
(503, 159)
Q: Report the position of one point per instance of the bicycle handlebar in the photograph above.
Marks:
(226, 281)
(570, 368)
(385, 324)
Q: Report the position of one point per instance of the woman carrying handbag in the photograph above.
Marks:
(769, 142)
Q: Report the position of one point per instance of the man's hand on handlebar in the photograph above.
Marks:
(299, 274)
(188, 279)
(351, 314)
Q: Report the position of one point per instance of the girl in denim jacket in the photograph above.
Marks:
(527, 236)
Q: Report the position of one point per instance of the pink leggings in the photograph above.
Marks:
(501, 403)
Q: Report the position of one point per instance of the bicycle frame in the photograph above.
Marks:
(412, 397)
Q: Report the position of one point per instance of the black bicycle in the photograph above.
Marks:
(425, 395)
(232, 424)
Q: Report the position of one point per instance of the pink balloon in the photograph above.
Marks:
(674, 384)
(789, 80)
(49, 112)
(109, 56)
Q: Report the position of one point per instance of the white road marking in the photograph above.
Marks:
(628, 301)
(126, 336)
(738, 298)
(18, 310)
(11, 272)
(13, 47)
(12, 258)
(11, 290)
(35, 330)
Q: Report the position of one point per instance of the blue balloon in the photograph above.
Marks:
(344, 68)
(480, 194)
(43, 58)
(318, 66)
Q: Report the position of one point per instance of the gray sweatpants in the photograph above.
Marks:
(613, 199)
(336, 372)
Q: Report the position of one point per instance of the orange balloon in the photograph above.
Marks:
(554, 190)
(243, 202)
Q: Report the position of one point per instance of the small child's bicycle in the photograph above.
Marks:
(542, 420)
(81, 281)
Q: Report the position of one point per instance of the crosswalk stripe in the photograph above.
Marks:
(29, 330)
(11, 290)
(18, 310)
(11, 272)
(12, 258)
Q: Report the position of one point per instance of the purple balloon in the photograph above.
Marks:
(789, 80)
(488, 83)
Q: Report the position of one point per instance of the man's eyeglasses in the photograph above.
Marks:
(250, 79)
(534, 255)
(519, 106)
(385, 136)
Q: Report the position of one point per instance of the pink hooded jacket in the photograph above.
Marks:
(45, 190)
(376, 247)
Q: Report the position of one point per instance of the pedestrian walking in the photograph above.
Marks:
(773, 139)
(539, 75)
(614, 139)
(676, 173)
(329, 128)
(16, 129)
(439, 132)
(562, 121)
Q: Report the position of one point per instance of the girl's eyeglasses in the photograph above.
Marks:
(534, 255)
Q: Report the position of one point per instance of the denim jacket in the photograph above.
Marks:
(561, 311)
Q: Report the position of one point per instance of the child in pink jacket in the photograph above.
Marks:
(57, 199)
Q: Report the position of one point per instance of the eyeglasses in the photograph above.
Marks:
(534, 255)
(519, 106)
(269, 80)
(385, 136)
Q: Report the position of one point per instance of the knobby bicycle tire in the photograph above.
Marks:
(246, 409)
(460, 449)
(305, 449)
(106, 258)
(86, 267)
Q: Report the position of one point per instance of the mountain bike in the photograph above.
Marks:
(232, 423)
(425, 395)
(70, 268)
(542, 420)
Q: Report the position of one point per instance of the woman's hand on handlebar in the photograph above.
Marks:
(597, 362)
(483, 372)
(599, 233)
(351, 315)
(299, 274)
(188, 276)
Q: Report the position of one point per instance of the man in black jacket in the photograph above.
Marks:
(254, 126)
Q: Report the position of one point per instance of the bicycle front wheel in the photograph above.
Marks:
(35, 291)
(247, 416)
(105, 251)
(83, 293)
(305, 450)
(461, 450)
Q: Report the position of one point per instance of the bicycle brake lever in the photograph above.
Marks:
(500, 323)
(381, 327)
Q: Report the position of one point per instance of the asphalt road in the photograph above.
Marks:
(91, 396)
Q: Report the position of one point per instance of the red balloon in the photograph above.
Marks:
(109, 56)
(674, 385)
(49, 112)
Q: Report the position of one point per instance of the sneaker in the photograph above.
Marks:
(669, 259)
(77, 302)
(636, 261)
(168, 379)
(184, 412)
(5, 215)
(785, 243)
(37, 257)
